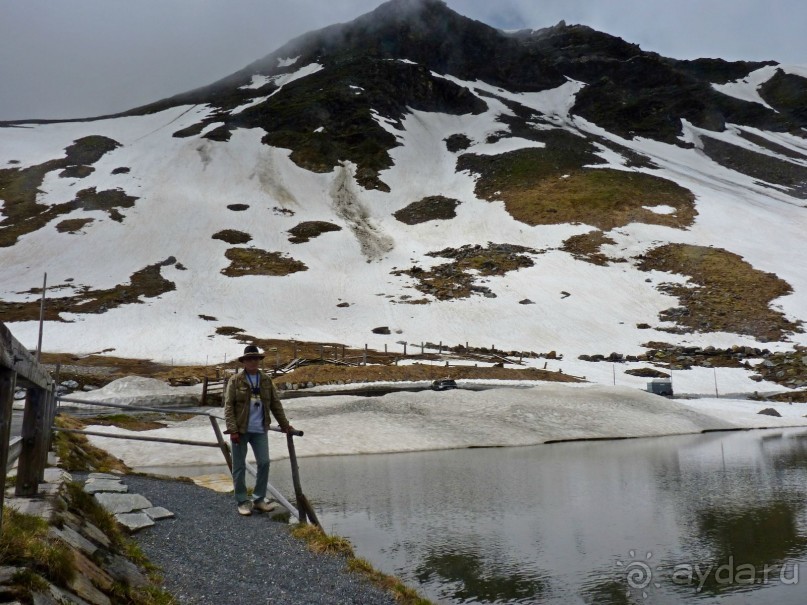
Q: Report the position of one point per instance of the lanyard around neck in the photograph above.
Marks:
(257, 380)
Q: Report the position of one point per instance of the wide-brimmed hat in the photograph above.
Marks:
(251, 352)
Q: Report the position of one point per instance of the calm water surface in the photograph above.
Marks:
(708, 518)
(714, 518)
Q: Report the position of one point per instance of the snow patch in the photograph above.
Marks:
(425, 420)
(258, 81)
(662, 209)
(288, 62)
(140, 391)
(747, 89)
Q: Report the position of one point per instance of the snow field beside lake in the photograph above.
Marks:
(406, 421)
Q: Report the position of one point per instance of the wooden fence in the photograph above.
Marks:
(18, 368)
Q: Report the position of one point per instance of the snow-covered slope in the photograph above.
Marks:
(191, 181)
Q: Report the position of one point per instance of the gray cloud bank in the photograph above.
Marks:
(91, 57)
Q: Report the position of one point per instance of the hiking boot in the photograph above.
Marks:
(245, 508)
(262, 506)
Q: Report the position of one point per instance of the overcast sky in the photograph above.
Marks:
(81, 58)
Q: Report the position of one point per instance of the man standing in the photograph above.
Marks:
(249, 398)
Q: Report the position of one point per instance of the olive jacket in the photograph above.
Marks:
(237, 400)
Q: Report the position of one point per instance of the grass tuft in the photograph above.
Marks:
(77, 454)
(148, 283)
(586, 247)
(251, 261)
(231, 236)
(24, 542)
(308, 230)
(432, 208)
(320, 542)
(556, 185)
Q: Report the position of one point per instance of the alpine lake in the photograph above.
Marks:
(705, 518)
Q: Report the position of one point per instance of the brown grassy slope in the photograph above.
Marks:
(725, 293)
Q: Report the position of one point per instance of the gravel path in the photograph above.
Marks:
(211, 555)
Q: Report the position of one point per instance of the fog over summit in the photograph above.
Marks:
(92, 57)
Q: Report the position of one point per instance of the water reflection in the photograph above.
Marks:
(469, 577)
(566, 523)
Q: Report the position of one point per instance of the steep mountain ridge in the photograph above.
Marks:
(557, 189)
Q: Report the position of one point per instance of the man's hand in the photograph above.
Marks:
(287, 430)
(235, 438)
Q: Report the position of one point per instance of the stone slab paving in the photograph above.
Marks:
(133, 511)
(134, 521)
(94, 486)
(122, 503)
(158, 512)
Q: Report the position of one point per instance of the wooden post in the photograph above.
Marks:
(404, 344)
(41, 318)
(385, 349)
(320, 351)
(303, 506)
(43, 444)
(8, 380)
(422, 346)
(222, 444)
(440, 350)
(295, 350)
(343, 352)
(365, 355)
(32, 421)
(204, 391)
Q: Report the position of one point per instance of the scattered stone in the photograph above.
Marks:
(158, 512)
(122, 503)
(134, 521)
(31, 506)
(96, 535)
(124, 571)
(564, 294)
(646, 373)
(770, 412)
(6, 573)
(84, 588)
(642, 326)
(103, 476)
(56, 475)
(94, 486)
(526, 301)
(73, 538)
(343, 305)
(382, 330)
(70, 384)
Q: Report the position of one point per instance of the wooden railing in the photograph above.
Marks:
(303, 512)
(18, 368)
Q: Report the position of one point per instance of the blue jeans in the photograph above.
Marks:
(260, 447)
